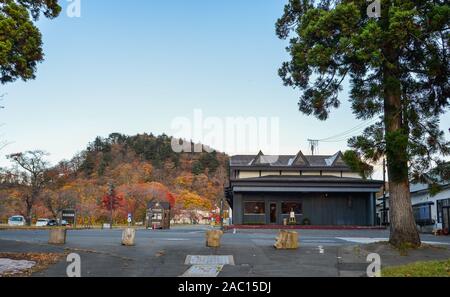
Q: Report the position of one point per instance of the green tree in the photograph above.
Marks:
(397, 67)
(20, 39)
(354, 161)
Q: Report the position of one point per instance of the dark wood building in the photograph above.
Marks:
(158, 215)
(317, 190)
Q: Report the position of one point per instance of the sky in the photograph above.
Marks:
(137, 66)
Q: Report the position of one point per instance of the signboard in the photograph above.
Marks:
(68, 215)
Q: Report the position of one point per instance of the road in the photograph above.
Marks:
(97, 238)
(164, 252)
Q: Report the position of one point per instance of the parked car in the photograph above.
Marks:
(42, 222)
(58, 222)
(16, 221)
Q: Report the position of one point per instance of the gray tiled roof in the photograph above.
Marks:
(323, 178)
(241, 160)
(286, 160)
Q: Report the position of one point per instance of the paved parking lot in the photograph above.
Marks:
(164, 252)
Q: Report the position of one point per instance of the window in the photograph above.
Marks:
(287, 207)
(157, 216)
(422, 214)
(440, 204)
(252, 208)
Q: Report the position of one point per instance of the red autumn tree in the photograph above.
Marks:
(170, 198)
(112, 201)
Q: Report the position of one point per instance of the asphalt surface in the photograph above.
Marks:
(164, 252)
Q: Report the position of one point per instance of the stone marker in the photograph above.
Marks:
(213, 238)
(128, 236)
(287, 240)
(57, 236)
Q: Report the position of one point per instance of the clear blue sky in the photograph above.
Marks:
(133, 66)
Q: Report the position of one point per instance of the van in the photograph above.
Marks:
(42, 222)
(16, 221)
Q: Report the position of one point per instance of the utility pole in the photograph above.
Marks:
(314, 144)
(221, 212)
(384, 192)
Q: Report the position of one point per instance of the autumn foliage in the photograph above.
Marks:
(142, 168)
(111, 201)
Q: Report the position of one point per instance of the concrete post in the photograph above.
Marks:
(57, 236)
(213, 238)
(128, 236)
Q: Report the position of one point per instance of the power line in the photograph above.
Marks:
(341, 137)
(358, 127)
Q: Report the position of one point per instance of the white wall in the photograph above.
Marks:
(417, 198)
(351, 174)
(248, 174)
(332, 173)
(311, 173)
(421, 197)
(266, 173)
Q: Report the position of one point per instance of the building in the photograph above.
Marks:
(430, 211)
(158, 215)
(319, 190)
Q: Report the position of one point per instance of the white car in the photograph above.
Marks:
(16, 221)
(42, 222)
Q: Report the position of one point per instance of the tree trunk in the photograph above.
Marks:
(402, 223)
(403, 226)
(29, 213)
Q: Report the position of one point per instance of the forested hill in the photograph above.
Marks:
(104, 155)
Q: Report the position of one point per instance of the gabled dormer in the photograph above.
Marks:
(300, 160)
(258, 159)
(337, 160)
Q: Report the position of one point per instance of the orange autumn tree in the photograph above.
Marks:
(188, 200)
(88, 205)
(132, 173)
(138, 195)
(189, 203)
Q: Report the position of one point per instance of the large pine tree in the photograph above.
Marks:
(20, 39)
(398, 70)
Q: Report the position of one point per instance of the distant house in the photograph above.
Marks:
(158, 215)
(318, 190)
(430, 212)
